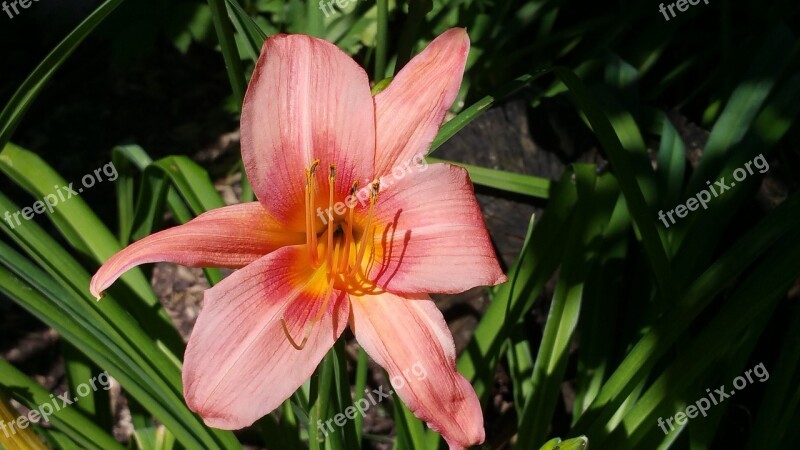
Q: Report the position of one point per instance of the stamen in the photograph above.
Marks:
(373, 198)
(343, 267)
(329, 250)
(312, 251)
(311, 232)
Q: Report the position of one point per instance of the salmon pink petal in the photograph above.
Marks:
(239, 364)
(410, 111)
(229, 237)
(307, 100)
(432, 238)
(409, 338)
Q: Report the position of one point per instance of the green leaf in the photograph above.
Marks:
(362, 370)
(79, 369)
(665, 332)
(22, 282)
(537, 261)
(578, 443)
(247, 28)
(24, 96)
(769, 282)
(382, 40)
(69, 420)
(471, 113)
(104, 331)
(505, 181)
(771, 124)
(84, 231)
(671, 165)
(230, 53)
(595, 197)
(773, 423)
(624, 169)
(743, 105)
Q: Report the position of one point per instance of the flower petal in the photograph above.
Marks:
(409, 338)
(433, 238)
(410, 111)
(229, 237)
(239, 364)
(307, 99)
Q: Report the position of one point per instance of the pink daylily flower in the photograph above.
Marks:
(313, 137)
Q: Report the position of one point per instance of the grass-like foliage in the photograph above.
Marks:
(610, 322)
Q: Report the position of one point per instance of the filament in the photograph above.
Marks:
(373, 198)
(306, 334)
(329, 249)
(343, 267)
(311, 232)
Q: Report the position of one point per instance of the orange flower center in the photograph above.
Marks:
(339, 246)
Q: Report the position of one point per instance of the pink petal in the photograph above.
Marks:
(410, 111)
(409, 338)
(229, 237)
(307, 99)
(239, 364)
(434, 239)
